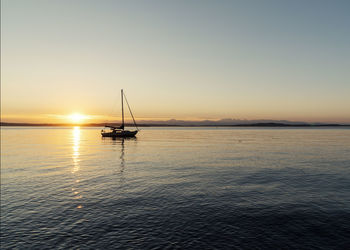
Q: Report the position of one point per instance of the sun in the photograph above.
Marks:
(77, 117)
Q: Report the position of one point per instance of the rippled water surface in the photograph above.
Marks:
(175, 188)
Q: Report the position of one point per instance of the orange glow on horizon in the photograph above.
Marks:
(81, 119)
(77, 118)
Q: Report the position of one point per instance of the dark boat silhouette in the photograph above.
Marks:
(119, 131)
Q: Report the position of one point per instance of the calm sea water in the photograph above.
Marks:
(175, 188)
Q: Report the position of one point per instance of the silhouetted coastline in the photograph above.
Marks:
(262, 124)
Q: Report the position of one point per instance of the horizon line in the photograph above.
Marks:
(252, 124)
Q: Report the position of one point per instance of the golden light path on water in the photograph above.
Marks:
(76, 144)
(76, 160)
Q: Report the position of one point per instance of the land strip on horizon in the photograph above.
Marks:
(259, 124)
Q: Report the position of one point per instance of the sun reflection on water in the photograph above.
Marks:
(76, 162)
(76, 144)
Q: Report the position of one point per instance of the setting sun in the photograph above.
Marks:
(77, 118)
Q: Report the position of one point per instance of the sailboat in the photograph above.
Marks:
(119, 131)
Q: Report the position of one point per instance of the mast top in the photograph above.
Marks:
(122, 126)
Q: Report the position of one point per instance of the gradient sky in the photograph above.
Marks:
(271, 59)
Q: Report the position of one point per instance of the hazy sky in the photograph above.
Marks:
(246, 59)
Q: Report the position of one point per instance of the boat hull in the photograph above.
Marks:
(123, 133)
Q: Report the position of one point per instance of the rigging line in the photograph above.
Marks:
(130, 111)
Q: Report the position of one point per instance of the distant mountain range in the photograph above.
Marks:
(223, 122)
(184, 123)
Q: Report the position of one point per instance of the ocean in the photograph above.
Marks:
(175, 188)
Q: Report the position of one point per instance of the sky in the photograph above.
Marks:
(190, 60)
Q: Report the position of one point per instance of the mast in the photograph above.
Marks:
(122, 111)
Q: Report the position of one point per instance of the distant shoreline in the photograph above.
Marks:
(268, 124)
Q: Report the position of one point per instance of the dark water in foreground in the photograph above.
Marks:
(175, 188)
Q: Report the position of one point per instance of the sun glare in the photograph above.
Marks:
(77, 118)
